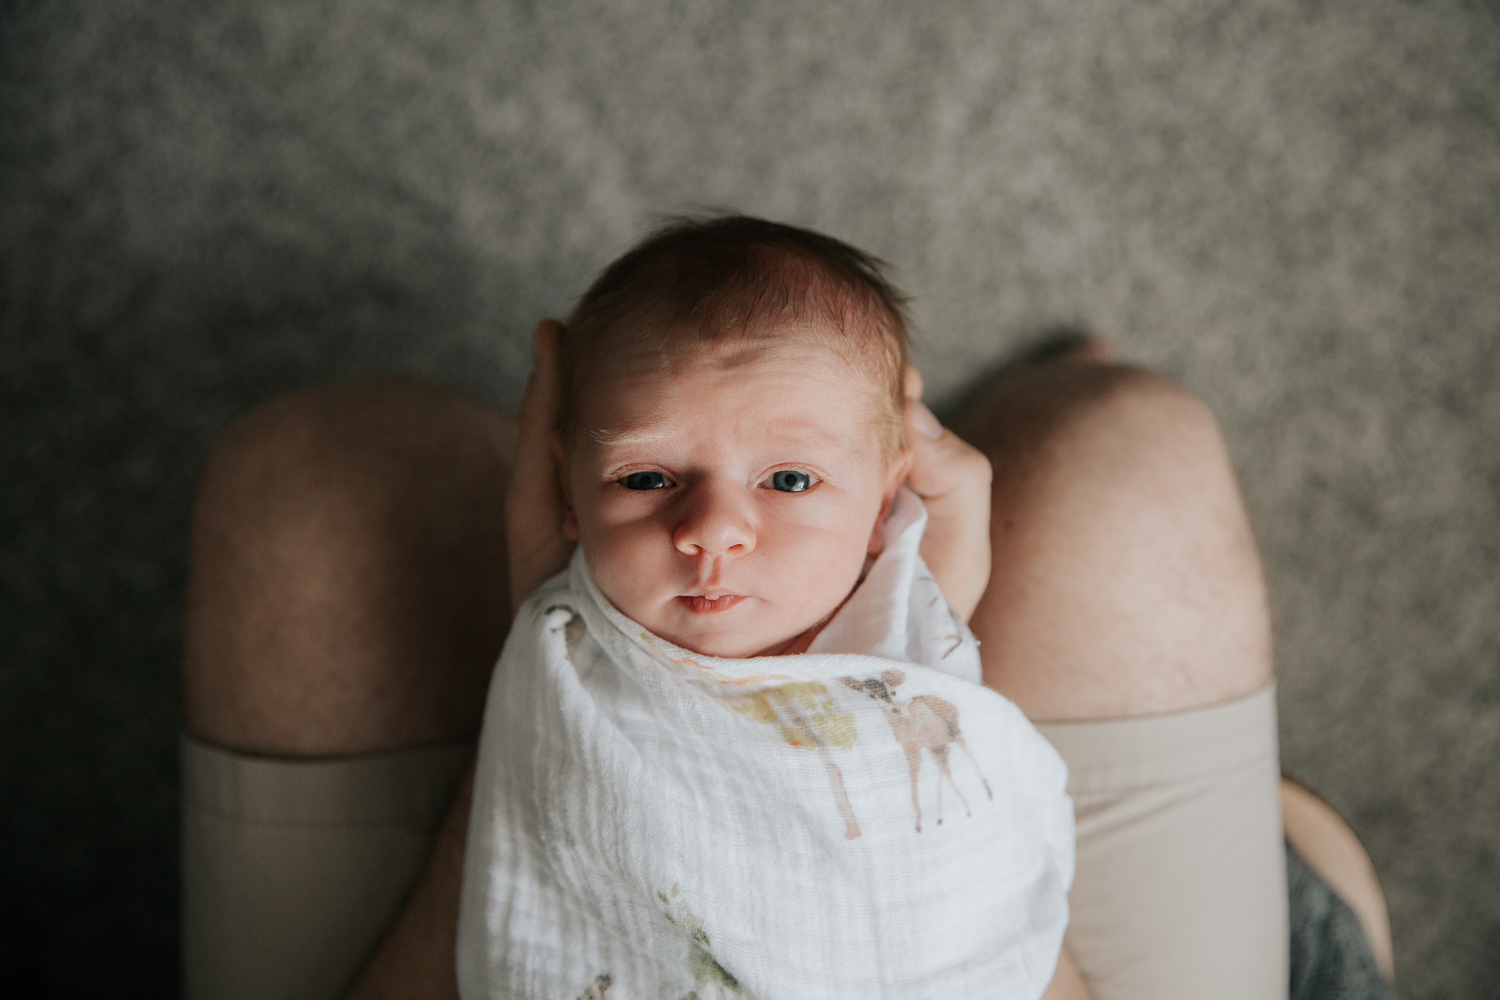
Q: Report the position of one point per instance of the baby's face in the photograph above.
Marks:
(730, 509)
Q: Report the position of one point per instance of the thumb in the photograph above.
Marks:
(535, 509)
(541, 406)
(942, 463)
(922, 420)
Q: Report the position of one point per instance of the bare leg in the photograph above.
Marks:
(1332, 850)
(1125, 578)
(348, 594)
(347, 591)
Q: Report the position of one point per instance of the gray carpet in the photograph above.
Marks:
(1293, 207)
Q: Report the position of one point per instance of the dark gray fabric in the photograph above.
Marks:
(1293, 206)
(1330, 955)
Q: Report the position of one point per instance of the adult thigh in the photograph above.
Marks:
(347, 583)
(1126, 579)
(1126, 614)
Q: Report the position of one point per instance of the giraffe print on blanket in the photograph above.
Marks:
(803, 711)
(925, 722)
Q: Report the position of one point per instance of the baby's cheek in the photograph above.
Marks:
(825, 569)
(622, 568)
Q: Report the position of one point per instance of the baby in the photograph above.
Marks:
(701, 772)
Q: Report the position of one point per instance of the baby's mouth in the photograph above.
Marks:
(700, 605)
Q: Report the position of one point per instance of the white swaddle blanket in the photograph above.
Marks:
(862, 820)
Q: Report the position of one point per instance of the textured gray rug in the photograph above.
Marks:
(1292, 207)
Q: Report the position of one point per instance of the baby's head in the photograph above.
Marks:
(732, 430)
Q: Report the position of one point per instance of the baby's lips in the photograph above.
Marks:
(698, 604)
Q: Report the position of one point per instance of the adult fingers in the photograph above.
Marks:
(911, 382)
(953, 480)
(922, 420)
(542, 403)
(534, 507)
(942, 463)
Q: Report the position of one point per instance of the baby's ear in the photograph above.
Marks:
(900, 466)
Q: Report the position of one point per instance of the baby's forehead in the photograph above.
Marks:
(796, 359)
(792, 396)
(812, 347)
(644, 365)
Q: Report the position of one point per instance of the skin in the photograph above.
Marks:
(700, 494)
(348, 590)
(345, 592)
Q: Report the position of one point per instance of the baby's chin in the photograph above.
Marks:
(732, 648)
(731, 644)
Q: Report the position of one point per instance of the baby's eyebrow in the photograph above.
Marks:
(627, 438)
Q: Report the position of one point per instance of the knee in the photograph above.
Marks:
(1123, 545)
(288, 496)
(1133, 447)
(310, 475)
(290, 475)
(346, 579)
(269, 478)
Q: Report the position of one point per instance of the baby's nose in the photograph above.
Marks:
(716, 522)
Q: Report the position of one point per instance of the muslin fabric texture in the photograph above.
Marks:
(863, 820)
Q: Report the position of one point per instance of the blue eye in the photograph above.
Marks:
(791, 481)
(645, 481)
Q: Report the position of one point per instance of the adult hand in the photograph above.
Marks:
(534, 503)
(953, 479)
